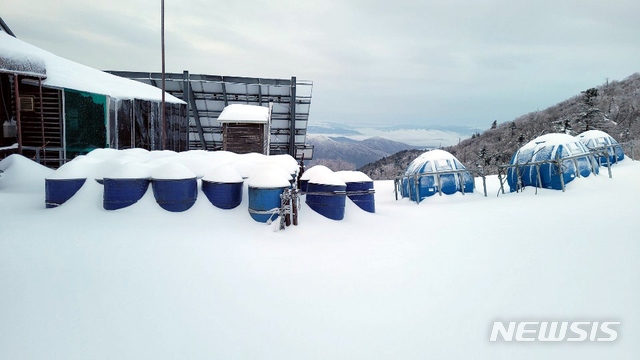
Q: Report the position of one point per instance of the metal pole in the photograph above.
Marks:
(559, 163)
(395, 187)
(484, 183)
(42, 120)
(164, 134)
(608, 162)
(417, 182)
(292, 126)
(439, 185)
(539, 177)
(17, 98)
(500, 179)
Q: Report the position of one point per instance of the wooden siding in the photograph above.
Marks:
(243, 138)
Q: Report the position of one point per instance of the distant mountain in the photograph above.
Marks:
(390, 166)
(336, 131)
(613, 107)
(353, 152)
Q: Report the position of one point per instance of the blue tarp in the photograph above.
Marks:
(435, 161)
(550, 147)
(594, 139)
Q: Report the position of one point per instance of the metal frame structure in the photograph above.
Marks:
(599, 152)
(207, 96)
(397, 181)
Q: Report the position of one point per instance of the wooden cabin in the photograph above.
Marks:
(245, 128)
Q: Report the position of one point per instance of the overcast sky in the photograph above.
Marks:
(448, 62)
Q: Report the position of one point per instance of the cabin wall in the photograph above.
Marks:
(244, 138)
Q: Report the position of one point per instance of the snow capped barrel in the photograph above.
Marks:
(265, 188)
(64, 183)
(326, 195)
(125, 186)
(223, 187)
(304, 179)
(175, 187)
(359, 189)
(58, 191)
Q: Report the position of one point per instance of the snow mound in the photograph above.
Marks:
(326, 178)
(172, 171)
(353, 176)
(223, 174)
(129, 170)
(313, 170)
(269, 178)
(22, 174)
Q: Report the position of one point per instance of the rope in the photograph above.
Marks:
(264, 212)
(333, 193)
(360, 192)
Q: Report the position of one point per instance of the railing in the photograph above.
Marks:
(597, 153)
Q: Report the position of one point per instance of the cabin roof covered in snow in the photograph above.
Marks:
(17, 56)
(241, 113)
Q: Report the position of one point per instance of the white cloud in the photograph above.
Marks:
(426, 62)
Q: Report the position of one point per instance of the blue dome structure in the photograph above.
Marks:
(579, 162)
(442, 178)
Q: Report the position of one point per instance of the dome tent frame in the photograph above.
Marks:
(399, 182)
(436, 171)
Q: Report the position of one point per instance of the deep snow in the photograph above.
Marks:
(408, 282)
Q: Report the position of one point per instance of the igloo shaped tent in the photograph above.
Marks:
(441, 167)
(534, 170)
(600, 140)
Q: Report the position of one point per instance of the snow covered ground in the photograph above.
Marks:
(409, 282)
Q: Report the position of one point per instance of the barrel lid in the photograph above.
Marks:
(316, 169)
(326, 178)
(172, 171)
(223, 174)
(268, 179)
(353, 176)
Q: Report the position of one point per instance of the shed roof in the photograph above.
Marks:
(241, 113)
(17, 56)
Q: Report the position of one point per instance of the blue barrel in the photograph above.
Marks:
(361, 193)
(223, 195)
(58, 191)
(262, 201)
(327, 200)
(303, 185)
(175, 195)
(120, 193)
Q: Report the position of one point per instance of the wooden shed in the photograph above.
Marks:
(245, 128)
